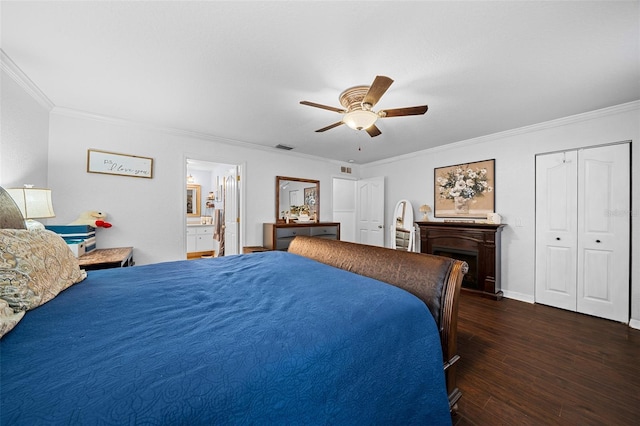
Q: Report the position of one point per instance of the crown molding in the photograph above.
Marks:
(559, 122)
(8, 66)
(74, 113)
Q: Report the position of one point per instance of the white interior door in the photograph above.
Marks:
(344, 207)
(556, 229)
(603, 232)
(582, 231)
(370, 211)
(231, 218)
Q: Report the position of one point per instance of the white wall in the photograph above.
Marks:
(24, 136)
(148, 214)
(411, 177)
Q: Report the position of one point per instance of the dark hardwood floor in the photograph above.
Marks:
(529, 364)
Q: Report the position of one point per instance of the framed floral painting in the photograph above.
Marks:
(310, 195)
(465, 191)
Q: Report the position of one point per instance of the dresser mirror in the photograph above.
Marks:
(298, 198)
(403, 231)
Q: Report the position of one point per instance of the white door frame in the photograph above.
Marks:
(241, 167)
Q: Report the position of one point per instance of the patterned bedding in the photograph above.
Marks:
(265, 338)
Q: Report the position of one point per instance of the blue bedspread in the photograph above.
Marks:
(265, 338)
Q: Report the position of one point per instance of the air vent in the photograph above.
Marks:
(345, 169)
(285, 147)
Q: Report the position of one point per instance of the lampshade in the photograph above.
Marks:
(360, 119)
(34, 203)
(425, 209)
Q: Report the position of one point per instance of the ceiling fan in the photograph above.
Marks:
(358, 102)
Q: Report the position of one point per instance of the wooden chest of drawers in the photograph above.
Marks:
(277, 236)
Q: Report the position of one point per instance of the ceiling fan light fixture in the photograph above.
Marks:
(360, 119)
(358, 103)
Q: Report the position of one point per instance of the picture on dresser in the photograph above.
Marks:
(310, 199)
(465, 190)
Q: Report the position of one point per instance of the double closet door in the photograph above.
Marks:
(583, 230)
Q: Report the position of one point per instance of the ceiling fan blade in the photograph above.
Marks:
(330, 108)
(377, 89)
(373, 131)
(399, 112)
(329, 127)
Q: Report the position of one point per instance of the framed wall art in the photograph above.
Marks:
(465, 191)
(111, 163)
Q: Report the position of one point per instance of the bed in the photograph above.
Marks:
(262, 338)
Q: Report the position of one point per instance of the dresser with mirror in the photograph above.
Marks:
(297, 213)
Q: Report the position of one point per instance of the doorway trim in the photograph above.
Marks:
(242, 167)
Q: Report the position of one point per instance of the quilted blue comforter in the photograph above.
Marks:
(265, 338)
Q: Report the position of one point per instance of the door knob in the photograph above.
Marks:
(379, 226)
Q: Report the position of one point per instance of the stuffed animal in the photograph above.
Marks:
(92, 218)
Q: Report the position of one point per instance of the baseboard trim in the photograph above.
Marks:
(633, 323)
(518, 296)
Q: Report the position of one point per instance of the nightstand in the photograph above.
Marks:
(119, 257)
(254, 249)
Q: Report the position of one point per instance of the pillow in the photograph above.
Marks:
(35, 266)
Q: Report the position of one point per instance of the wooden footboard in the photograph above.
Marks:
(435, 280)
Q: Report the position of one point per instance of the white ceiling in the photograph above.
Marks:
(237, 70)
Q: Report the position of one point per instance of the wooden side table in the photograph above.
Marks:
(119, 257)
(253, 249)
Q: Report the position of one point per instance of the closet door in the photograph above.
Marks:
(556, 229)
(582, 231)
(603, 232)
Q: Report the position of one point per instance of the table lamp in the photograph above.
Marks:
(34, 203)
(425, 209)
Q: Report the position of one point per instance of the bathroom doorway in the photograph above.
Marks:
(212, 227)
